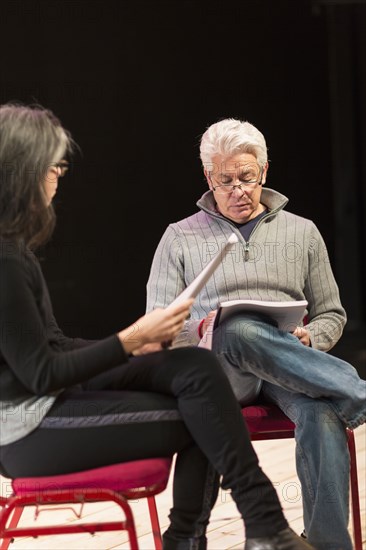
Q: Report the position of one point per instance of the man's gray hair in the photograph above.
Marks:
(229, 137)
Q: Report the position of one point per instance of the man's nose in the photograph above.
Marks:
(239, 188)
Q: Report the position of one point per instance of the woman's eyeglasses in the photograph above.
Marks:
(62, 167)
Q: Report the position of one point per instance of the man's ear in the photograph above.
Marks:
(264, 175)
(207, 176)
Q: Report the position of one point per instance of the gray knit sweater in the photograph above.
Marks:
(284, 259)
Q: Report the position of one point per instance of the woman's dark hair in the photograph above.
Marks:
(31, 139)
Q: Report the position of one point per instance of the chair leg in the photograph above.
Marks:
(154, 518)
(355, 499)
(4, 543)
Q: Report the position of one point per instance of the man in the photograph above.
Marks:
(279, 257)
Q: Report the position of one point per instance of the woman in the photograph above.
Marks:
(70, 405)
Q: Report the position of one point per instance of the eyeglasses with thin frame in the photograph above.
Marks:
(248, 179)
(62, 165)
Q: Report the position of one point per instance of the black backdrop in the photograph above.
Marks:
(137, 82)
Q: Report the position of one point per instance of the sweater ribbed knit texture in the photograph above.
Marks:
(284, 259)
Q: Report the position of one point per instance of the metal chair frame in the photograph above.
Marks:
(13, 506)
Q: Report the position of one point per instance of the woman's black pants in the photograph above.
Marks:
(174, 401)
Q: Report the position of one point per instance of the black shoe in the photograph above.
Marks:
(284, 540)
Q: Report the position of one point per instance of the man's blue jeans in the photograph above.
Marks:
(321, 394)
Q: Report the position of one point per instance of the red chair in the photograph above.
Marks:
(267, 421)
(117, 483)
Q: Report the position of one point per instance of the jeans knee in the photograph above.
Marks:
(235, 332)
(253, 332)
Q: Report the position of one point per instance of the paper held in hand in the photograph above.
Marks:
(287, 315)
(196, 286)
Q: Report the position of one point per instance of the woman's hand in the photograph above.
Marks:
(303, 335)
(148, 348)
(160, 325)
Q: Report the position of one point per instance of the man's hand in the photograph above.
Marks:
(206, 323)
(303, 335)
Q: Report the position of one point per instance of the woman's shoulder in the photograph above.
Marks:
(16, 254)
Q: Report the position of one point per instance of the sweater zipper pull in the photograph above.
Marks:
(246, 252)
